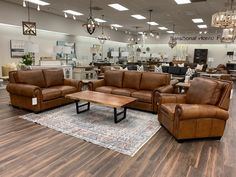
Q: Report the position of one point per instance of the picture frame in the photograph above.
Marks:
(17, 48)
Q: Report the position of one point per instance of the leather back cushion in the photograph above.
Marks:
(114, 78)
(132, 79)
(53, 77)
(204, 91)
(150, 80)
(32, 77)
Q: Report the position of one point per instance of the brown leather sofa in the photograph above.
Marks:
(48, 86)
(201, 112)
(141, 85)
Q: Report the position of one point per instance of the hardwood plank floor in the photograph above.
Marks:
(28, 149)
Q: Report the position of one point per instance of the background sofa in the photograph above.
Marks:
(48, 86)
(141, 85)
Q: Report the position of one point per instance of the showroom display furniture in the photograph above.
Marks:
(141, 85)
(106, 99)
(38, 90)
(175, 70)
(200, 113)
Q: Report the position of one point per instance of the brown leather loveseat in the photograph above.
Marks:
(38, 90)
(200, 113)
(140, 85)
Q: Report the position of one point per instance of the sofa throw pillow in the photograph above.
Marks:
(181, 65)
(165, 64)
(190, 72)
(199, 67)
(157, 69)
(140, 68)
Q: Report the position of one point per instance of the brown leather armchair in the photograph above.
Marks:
(200, 113)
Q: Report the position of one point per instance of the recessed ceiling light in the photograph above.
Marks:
(197, 20)
(116, 25)
(39, 2)
(202, 26)
(100, 20)
(170, 32)
(163, 28)
(118, 7)
(72, 12)
(139, 17)
(152, 23)
(140, 32)
(182, 1)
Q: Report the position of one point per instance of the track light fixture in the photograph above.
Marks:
(24, 3)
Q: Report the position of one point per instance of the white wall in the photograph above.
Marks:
(46, 41)
(216, 51)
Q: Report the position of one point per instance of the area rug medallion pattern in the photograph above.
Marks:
(97, 126)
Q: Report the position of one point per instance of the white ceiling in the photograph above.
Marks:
(165, 12)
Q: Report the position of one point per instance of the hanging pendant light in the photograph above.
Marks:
(151, 33)
(172, 42)
(91, 24)
(103, 38)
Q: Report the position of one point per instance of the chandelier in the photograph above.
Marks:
(103, 38)
(225, 19)
(228, 35)
(91, 24)
(135, 39)
(172, 42)
(152, 34)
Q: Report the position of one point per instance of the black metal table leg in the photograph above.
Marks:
(82, 105)
(116, 120)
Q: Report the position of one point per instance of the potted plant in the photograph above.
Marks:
(26, 62)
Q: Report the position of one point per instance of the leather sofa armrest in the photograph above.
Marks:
(75, 83)
(171, 98)
(165, 89)
(24, 90)
(195, 111)
(95, 84)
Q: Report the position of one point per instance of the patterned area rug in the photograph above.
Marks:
(97, 126)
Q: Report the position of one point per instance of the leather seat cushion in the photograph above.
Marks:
(50, 94)
(123, 91)
(53, 77)
(169, 110)
(114, 78)
(132, 80)
(31, 77)
(151, 81)
(203, 91)
(105, 89)
(65, 89)
(143, 96)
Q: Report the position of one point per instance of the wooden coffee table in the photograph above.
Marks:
(114, 101)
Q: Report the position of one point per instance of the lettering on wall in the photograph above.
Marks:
(198, 38)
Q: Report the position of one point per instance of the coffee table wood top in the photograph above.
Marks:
(115, 101)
